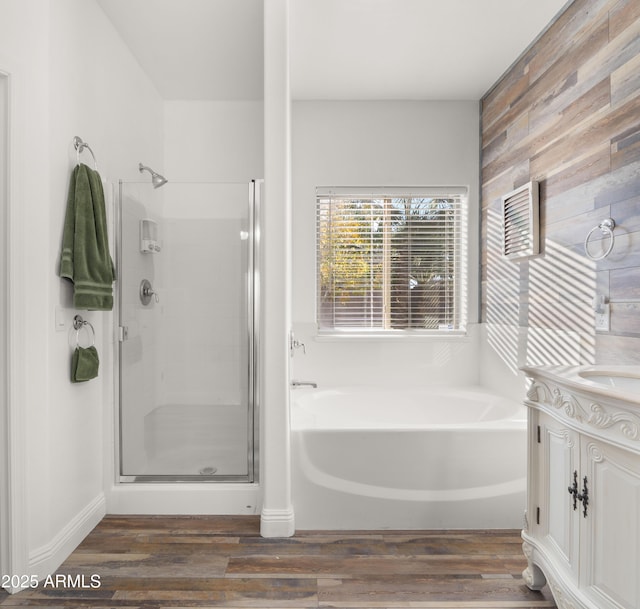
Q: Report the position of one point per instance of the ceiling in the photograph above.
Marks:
(339, 49)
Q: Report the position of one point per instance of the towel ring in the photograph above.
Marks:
(606, 228)
(79, 145)
(78, 324)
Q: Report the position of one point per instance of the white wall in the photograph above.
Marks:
(98, 92)
(380, 144)
(214, 141)
(73, 76)
(23, 55)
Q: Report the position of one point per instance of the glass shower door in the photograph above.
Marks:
(187, 331)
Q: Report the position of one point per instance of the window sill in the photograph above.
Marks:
(400, 337)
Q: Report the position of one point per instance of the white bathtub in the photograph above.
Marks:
(383, 458)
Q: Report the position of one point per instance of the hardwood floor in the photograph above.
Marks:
(203, 561)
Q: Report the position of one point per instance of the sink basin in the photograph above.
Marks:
(625, 381)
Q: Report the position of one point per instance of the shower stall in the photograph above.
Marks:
(188, 330)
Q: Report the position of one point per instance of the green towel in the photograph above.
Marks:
(84, 364)
(85, 258)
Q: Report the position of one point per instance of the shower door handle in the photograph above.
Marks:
(146, 292)
(123, 333)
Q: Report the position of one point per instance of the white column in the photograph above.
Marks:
(277, 519)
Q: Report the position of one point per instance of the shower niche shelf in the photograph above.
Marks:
(149, 243)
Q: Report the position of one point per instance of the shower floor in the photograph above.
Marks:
(203, 441)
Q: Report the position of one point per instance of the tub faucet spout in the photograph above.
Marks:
(304, 383)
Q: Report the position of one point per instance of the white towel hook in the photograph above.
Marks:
(606, 228)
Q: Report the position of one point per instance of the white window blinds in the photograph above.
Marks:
(391, 260)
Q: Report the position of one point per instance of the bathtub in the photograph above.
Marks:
(383, 458)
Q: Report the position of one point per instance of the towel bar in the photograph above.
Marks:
(606, 228)
(78, 324)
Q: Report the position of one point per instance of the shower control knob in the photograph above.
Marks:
(146, 292)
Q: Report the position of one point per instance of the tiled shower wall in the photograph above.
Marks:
(567, 114)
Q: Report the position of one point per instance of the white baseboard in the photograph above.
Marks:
(46, 559)
(277, 523)
(183, 498)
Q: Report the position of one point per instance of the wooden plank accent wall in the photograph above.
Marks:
(567, 114)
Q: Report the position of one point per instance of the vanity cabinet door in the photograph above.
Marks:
(559, 527)
(611, 529)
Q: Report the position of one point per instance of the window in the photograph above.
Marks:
(391, 261)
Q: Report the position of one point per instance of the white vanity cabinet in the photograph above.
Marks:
(582, 527)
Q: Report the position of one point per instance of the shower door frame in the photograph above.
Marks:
(254, 194)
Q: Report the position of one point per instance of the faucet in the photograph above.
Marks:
(305, 383)
(295, 344)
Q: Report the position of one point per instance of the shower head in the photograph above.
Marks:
(156, 179)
